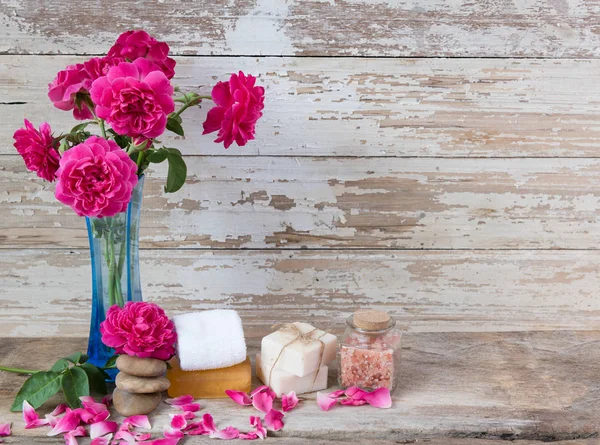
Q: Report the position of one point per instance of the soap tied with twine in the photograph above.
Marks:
(290, 348)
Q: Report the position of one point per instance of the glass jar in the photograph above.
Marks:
(369, 351)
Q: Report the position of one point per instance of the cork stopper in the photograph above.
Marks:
(371, 320)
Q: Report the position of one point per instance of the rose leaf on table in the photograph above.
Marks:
(72, 375)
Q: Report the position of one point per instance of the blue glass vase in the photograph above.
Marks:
(114, 251)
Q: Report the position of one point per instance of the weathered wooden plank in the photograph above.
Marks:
(49, 292)
(262, 202)
(537, 28)
(368, 107)
(538, 386)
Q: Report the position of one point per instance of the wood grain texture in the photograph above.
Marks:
(367, 107)
(537, 386)
(263, 202)
(428, 28)
(49, 292)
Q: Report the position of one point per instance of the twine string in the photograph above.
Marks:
(303, 337)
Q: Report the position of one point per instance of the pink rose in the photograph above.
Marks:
(96, 178)
(38, 149)
(67, 91)
(134, 98)
(134, 45)
(239, 104)
(140, 329)
(98, 67)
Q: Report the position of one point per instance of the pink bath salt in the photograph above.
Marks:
(367, 368)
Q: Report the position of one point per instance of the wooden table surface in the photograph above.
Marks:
(455, 388)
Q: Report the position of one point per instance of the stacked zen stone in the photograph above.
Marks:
(139, 385)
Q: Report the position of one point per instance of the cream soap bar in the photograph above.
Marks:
(299, 357)
(283, 382)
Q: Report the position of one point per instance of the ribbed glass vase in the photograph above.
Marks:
(114, 251)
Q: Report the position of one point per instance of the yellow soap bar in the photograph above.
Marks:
(209, 384)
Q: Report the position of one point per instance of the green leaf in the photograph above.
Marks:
(75, 357)
(111, 363)
(79, 127)
(105, 374)
(60, 365)
(174, 125)
(96, 378)
(75, 384)
(157, 156)
(37, 389)
(177, 170)
(122, 141)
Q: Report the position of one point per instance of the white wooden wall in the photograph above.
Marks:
(436, 159)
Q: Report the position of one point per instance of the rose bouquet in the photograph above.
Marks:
(126, 101)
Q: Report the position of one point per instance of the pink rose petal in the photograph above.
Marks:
(352, 402)
(250, 435)
(79, 432)
(70, 439)
(190, 407)
(264, 388)
(36, 424)
(181, 400)
(169, 432)
(103, 428)
(338, 393)
(143, 436)
(52, 421)
(260, 431)
(225, 434)
(380, 398)
(100, 417)
(61, 408)
(84, 415)
(107, 400)
(196, 429)
(126, 436)
(355, 392)
(67, 423)
(274, 420)
(188, 415)
(92, 406)
(289, 401)
(325, 402)
(170, 441)
(209, 422)
(178, 422)
(138, 422)
(239, 397)
(4, 429)
(102, 440)
(31, 418)
(263, 401)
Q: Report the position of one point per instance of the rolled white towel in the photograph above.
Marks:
(209, 339)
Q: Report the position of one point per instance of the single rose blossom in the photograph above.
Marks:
(68, 92)
(133, 45)
(139, 329)
(96, 178)
(134, 98)
(239, 105)
(38, 149)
